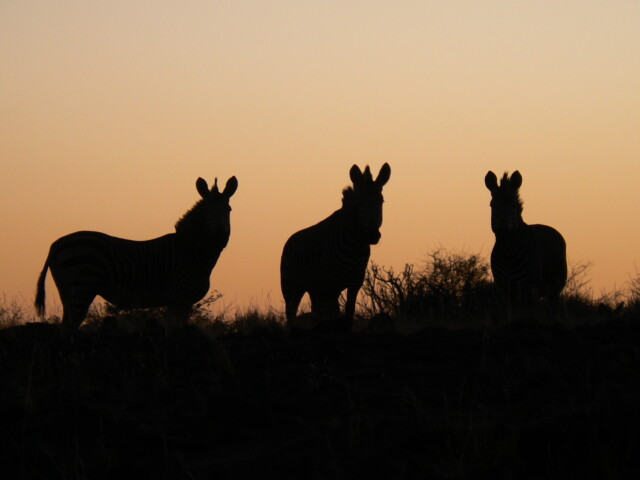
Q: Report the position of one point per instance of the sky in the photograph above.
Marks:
(110, 111)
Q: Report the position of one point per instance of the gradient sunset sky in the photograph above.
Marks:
(109, 111)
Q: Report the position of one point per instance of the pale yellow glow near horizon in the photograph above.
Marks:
(111, 110)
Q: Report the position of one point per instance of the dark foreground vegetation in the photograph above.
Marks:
(518, 395)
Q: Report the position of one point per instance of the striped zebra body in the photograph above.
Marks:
(331, 256)
(323, 260)
(172, 270)
(527, 261)
(531, 263)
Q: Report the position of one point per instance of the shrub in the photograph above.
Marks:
(11, 313)
(450, 286)
(577, 285)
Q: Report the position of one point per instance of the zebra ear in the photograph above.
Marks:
(491, 181)
(355, 174)
(383, 176)
(202, 187)
(516, 180)
(231, 187)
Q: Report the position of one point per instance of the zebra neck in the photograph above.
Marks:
(351, 233)
(203, 250)
(513, 237)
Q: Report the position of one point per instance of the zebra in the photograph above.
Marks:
(332, 255)
(169, 271)
(527, 261)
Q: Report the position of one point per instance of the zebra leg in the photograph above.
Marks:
(317, 303)
(74, 310)
(332, 305)
(505, 299)
(292, 300)
(554, 303)
(177, 316)
(326, 307)
(350, 304)
(324, 304)
(180, 312)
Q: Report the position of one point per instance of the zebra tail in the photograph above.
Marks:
(40, 294)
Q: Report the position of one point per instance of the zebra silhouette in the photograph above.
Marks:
(172, 270)
(527, 261)
(332, 255)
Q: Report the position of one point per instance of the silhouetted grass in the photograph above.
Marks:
(455, 290)
(237, 395)
(520, 401)
(11, 313)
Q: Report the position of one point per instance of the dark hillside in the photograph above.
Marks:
(522, 401)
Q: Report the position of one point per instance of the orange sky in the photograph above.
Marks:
(111, 110)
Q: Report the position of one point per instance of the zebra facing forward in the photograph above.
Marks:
(332, 255)
(527, 261)
(170, 271)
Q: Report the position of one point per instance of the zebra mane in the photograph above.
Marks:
(347, 197)
(507, 190)
(191, 221)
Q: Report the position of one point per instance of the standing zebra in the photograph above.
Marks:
(332, 255)
(527, 261)
(172, 270)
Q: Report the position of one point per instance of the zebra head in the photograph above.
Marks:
(365, 200)
(215, 205)
(506, 206)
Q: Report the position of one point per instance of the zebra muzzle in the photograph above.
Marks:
(374, 237)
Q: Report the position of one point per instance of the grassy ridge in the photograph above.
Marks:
(526, 400)
(472, 389)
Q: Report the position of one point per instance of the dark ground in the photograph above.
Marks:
(522, 401)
